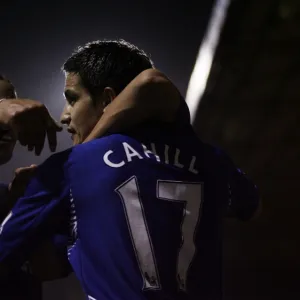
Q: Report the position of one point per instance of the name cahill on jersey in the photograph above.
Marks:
(165, 157)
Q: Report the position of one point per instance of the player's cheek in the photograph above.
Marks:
(89, 120)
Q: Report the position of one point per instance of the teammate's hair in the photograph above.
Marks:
(12, 91)
(107, 63)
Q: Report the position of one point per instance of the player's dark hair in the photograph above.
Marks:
(107, 63)
(12, 90)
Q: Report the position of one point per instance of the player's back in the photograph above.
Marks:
(147, 212)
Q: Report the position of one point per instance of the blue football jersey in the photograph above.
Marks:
(20, 284)
(145, 212)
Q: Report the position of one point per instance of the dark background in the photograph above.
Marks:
(37, 36)
(250, 106)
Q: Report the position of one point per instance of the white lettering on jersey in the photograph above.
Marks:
(152, 151)
(176, 161)
(192, 166)
(138, 228)
(111, 164)
(166, 154)
(190, 195)
(130, 152)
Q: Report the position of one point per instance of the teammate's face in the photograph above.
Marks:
(80, 113)
(7, 139)
(7, 145)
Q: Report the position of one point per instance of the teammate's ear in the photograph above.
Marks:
(109, 95)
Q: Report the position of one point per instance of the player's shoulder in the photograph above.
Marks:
(53, 168)
(98, 147)
(103, 143)
(56, 160)
(107, 153)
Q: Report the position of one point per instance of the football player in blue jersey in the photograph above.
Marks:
(145, 207)
(20, 285)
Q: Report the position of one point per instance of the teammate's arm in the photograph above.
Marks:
(30, 122)
(151, 95)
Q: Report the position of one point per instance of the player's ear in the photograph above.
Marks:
(109, 95)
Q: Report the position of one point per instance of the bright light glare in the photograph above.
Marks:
(205, 56)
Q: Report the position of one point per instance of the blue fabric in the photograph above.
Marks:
(143, 224)
(19, 285)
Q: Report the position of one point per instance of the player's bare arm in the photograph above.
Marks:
(150, 96)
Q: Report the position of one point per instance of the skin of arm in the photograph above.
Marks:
(150, 96)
